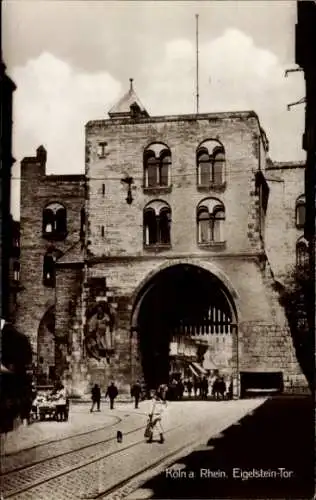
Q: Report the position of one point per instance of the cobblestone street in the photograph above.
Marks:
(82, 459)
(269, 454)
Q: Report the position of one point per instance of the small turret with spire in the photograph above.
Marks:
(129, 106)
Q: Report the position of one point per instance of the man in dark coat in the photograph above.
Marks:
(96, 397)
(196, 386)
(204, 388)
(189, 387)
(136, 391)
(112, 392)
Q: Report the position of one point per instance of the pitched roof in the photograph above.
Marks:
(123, 107)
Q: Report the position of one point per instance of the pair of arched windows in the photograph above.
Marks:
(157, 164)
(210, 221)
(210, 161)
(210, 164)
(54, 221)
(300, 211)
(210, 217)
(157, 222)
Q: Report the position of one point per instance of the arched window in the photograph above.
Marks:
(205, 167)
(55, 221)
(157, 165)
(150, 225)
(49, 267)
(302, 255)
(210, 159)
(164, 168)
(300, 212)
(210, 221)
(218, 165)
(157, 220)
(152, 171)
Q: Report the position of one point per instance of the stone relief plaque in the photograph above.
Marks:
(99, 332)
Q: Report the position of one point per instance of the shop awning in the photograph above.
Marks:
(195, 373)
(199, 368)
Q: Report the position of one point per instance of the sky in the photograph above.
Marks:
(71, 61)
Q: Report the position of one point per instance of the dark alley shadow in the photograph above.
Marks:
(277, 438)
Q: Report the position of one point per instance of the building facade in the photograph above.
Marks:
(14, 268)
(51, 224)
(285, 244)
(7, 87)
(174, 232)
(305, 57)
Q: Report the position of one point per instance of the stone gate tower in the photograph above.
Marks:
(175, 250)
(162, 264)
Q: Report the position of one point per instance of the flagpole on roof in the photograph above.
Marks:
(197, 63)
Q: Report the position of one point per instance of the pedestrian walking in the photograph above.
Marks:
(158, 407)
(112, 392)
(204, 388)
(219, 387)
(162, 391)
(180, 389)
(136, 391)
(222, 387)
(95, 397)
(196, 386)
(189, 387)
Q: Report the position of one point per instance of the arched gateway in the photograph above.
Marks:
(186, 324)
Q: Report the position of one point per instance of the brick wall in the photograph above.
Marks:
(127, 140)
(286, 183)
(38, 190)
(264, 341)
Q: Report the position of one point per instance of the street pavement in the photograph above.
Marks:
(80, 420)
(82, 458)
(275, 444)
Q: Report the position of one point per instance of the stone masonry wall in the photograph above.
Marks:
(123, 223)
(286, 183)
(37, 190)
(264, 341)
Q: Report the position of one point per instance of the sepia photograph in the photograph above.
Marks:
(157, 309)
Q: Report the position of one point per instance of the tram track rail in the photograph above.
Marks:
(98, 475)
(135, 481)
(68, 470)
(6, 469)
(38, 463)
(65, 438)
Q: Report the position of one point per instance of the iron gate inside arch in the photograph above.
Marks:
(185, 315)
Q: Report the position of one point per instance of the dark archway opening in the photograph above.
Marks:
(183, 303)
(46, 348)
